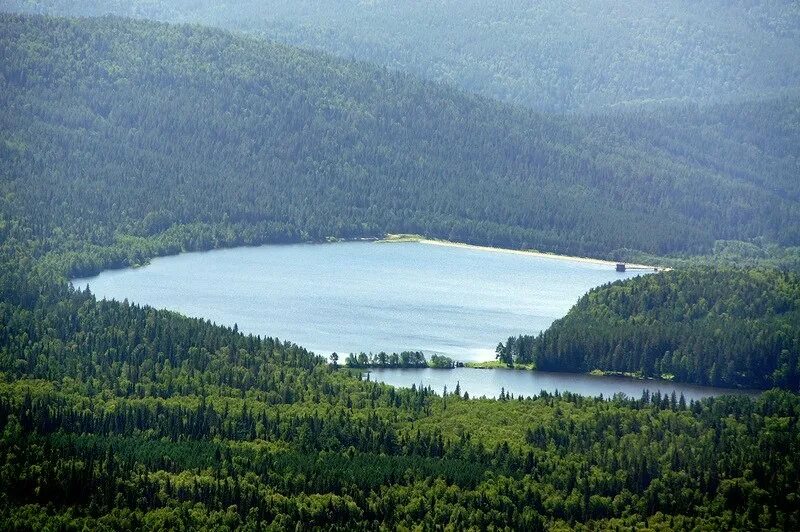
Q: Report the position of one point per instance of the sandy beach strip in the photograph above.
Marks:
(531, 253)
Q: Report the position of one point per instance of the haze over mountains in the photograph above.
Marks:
(553, 55)
(152, 127)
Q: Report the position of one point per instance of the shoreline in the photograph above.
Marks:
(391, 238)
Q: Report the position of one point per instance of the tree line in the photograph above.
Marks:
(721, 327)
(404, 359)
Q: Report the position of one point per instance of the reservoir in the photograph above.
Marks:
(365, 296)
(370, 296)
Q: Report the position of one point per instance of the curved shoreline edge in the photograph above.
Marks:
(392, 238)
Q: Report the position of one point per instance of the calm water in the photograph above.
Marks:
(489, 382)
(364, 296)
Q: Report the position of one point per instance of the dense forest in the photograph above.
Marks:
(114, 416)
(551, 55)
(160, 138)
(122, 140)
(725, 327)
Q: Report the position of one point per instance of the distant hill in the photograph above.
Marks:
(723, 327)
(552, 55)
(115, 129)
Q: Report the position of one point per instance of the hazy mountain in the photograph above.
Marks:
(556, 55)
(115, 127)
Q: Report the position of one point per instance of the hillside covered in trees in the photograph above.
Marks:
(123, 140)
(201, 138)
(116, 417)
(728, 327)
(552, 55)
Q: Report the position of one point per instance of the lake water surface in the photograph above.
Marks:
(367, 296)
(489, 383)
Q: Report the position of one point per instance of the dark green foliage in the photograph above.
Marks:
(553, 55)
(121, 141)
(725, 327)
(121, 416)
(441, 362)
(405, 359)
(161, 138)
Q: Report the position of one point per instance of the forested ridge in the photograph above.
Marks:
(201, 138)
(724, 327)
(125, 140)
(551, 55)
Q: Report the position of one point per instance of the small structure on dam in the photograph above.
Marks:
(620, 266)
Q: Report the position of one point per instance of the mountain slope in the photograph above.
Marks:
(553, 55)
(720, 327)
(115, 130)
(753, 142)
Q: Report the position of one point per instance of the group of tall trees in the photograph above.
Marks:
(404, 359)
(724, 327)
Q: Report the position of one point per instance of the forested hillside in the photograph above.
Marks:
(750, 142)
(122, 140)
(721, 327)
(201, 138)
(552, 55)
(117, 417)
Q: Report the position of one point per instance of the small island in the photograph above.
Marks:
(404, 359)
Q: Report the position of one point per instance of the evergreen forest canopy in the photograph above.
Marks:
(200, 138)
(719, 327)
(124, 140)
(551, 55)
(114, 416)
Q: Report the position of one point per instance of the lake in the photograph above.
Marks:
(365, 296)
(369, 296)
(489, 383)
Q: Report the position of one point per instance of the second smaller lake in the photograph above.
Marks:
(489, 383)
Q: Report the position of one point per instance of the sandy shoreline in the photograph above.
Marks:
(532, 254)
